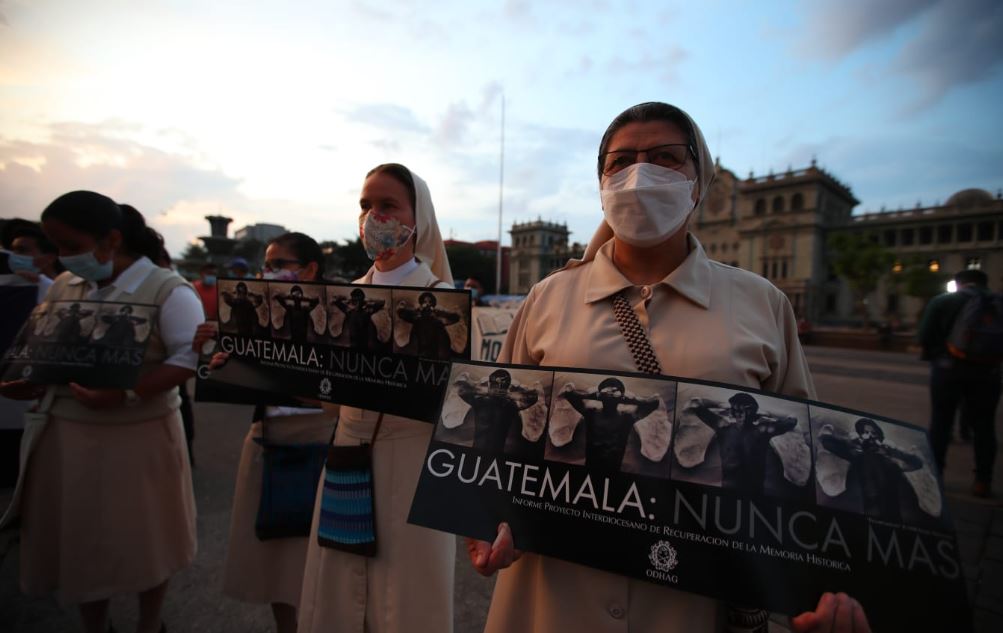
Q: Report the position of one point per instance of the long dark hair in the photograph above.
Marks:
(97, 215)
(304, 247)
(650, 111)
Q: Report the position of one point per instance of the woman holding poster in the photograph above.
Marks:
(644, 277)
(408, 584)
(106, 500)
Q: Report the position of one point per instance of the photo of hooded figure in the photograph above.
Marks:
(243, 309)
(70, 322)
(874, 467)
(124, 325)
(747, 442)
(432, 324)
(498, 410)
(297, 312)
(611, 423)
(359, 318)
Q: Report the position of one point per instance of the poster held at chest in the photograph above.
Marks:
(93, 343)
(380, 348)
(727, 492)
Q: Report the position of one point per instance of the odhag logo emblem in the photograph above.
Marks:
(663, 556)
(325, 387)
(26, 372)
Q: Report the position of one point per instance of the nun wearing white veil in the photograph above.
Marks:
(408, 585)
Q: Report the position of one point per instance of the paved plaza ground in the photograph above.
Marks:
(888, 384)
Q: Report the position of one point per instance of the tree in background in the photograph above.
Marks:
(919, 281)
(466, 261)
(347, 261)
(862, 261)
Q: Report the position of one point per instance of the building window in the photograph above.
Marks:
(783, 269)
(907, 237)
(965, 232)
(973, 263)
(778, 204)
(890, 236)
(797, 202)
(766, 268)
(724, 247)
(734, 246)
(893, 303)
(713, 248)
(830, 302)
(984, 232)
(773, 269)
(760, 206)
(933, 265)
(944, 233)
(925, 235)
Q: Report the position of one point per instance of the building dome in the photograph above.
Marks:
(967, 198)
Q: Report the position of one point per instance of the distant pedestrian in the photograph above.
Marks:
(972, 385)
(205, 285)
(239, 268)
(476, 291)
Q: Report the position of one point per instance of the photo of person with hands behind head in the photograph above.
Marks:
(646, 297)
(408, 584)
(105, 496)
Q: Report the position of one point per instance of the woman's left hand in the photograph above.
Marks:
(835, 613)
(97, 398)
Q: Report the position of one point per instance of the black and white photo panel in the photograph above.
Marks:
(611, 423)
(496, 409)
(297, 312)
(70, 322)
(874, 467)
(747, 442)
(360, 318)
(123, 324)
(243, 307)
(433, 324)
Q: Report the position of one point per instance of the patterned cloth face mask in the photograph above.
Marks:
(382, 235)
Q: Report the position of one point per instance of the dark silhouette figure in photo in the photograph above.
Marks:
(429, 326)
(743, 435)
(359, 311)
(69, 330)
(121, 327)
(243, 309)
(298, 309)
(495, 408)
(876, 467)
(608, 427)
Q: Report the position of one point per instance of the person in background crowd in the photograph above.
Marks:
(645, 296)
(239, 268)
(956, 382)
(205, 285)
(33, 257)
(271, 571)
(105, 495)
(408, 585)
(476, 291)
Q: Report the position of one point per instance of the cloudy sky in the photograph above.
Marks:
(274, 111)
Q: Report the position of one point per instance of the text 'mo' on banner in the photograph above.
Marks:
(382, 348)
(728, 492)
(97, 344)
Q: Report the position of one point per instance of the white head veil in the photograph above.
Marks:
(429, 248)
(705, 163)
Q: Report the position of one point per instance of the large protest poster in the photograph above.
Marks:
(713, 489)
(96, 344)
(490, 328)
(383, 348)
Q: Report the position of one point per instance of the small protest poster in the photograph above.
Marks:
(382, 348)
(93, 343)
(714, 489)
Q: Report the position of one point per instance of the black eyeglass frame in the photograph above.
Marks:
(689, 149)
(270, 264)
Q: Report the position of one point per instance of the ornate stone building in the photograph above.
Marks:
(538, 248)
(778, 225)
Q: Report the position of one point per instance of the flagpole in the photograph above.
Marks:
(501, 188)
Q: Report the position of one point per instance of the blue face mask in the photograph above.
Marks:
(209, 280)
(22, 262)
(87, 266)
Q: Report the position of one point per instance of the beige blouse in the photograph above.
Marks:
(705, 320)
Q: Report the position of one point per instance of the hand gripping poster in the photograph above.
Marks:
(93, 343)
(744, 496)
(382, 348)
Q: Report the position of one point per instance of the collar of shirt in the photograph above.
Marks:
(691, 279)
(395, 276)
(127, 281)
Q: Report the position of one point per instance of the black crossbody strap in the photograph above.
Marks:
(637, 338)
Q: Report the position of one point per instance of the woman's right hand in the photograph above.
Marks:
(204, 333)
(21, 390)
(487, 558)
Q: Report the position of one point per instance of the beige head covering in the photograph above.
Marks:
(705, 177)
(429, 249)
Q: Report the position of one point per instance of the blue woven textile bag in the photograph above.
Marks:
(347, 512)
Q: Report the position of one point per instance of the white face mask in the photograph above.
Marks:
(644, 204)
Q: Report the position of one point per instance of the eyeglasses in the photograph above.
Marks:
(671, 156)
(278, 264)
